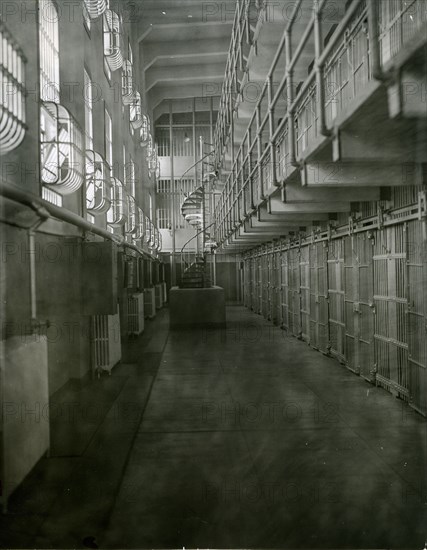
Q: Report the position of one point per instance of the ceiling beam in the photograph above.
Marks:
(183, 73)
(172, 50)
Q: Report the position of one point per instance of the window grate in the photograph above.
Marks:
(12, 93)
(117, 214)
(88, 97)
(61, 154)
(113, 40)
(98, 183)
(49, 51)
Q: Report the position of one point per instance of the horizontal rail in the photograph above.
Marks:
(46, 210)
(310, 101)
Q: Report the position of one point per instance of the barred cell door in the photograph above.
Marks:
(277, 309)
(294, 306)
(304, 264)
(319, 337)
(259, 285)
(253, 283)
(365, 333)
(359, 311)
(417, 314)
(351, 296)
(265, 285)
(247, 282)
(390, 290)
(270, 285)
(284, 289)
(336, 298)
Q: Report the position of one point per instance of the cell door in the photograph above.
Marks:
(247, 282)
(258, 285)
(390, 329)
(417, 314)
(358, 305)
(270, 285)
(319, 334)
(336, 298)
(294, 306)
(365, 318)
(253, 283)
(351, 296)
(254, 286)
(277, 307)
(305, 292)
(265, 285)
(284, 289)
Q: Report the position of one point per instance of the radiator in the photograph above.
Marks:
(159, 296)
(149, 303)
(135, 317)
(165, 292)
(106, 343)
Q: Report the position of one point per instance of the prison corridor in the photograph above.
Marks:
(239, 437)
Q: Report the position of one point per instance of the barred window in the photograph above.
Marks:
(135, 112)
(108, 139)
(183, 142)
(12, 93)
(61, 154)
(98, 184)
(88, 95)
(49, 51)
(117, 214)
(166, 199)
(113, 48)
(130, 178)
(128, 94)
(131, 222)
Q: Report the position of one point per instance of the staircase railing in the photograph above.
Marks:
(197, 211)
(188, 255)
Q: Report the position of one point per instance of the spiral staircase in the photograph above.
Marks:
(196, 254)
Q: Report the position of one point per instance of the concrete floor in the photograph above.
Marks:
(242, 437)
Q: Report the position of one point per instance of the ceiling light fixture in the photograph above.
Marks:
(186, 138)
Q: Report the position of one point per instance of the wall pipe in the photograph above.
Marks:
(46, 210)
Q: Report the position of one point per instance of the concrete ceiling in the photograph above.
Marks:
(183, 47)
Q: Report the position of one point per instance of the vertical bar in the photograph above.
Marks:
(173, 267)
(319, 69)
(271, 130)
(290, 97)
(259, 151)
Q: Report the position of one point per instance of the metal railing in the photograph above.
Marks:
(368, 35)
(241, 42)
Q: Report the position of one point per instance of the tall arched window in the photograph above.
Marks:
(98, 184)
(128, 93)
(113, 42)
(117, 214)
(131, 222)
(12, 92)
(49, 51)
(61, 139)
(135, 112)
